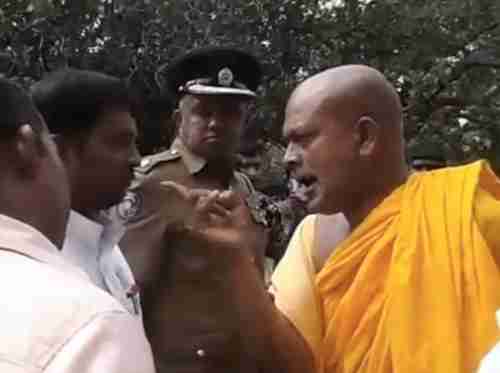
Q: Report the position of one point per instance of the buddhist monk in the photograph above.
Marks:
(414, 286)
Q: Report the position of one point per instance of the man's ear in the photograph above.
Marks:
(29, 149)
(368, 133)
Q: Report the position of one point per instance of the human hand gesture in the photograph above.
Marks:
(222, 220)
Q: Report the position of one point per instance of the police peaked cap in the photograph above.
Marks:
(214, 71)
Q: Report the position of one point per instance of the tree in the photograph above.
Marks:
(443, 56)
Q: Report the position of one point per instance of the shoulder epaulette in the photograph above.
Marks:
(150, 161)
(244, 181)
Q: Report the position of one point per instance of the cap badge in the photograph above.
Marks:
(225, 77)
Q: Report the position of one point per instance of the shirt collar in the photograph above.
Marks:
(193, 162)
(96, 237)
(84, 231)
(24, 239)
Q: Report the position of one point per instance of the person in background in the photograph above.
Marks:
(188, 313)
(261, 159)
(426, 156)
(52, 318)
(90, 116)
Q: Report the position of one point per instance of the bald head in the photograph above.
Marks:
(354, 91)
(344, 127)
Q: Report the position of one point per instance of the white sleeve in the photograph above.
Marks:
(111, 342)
(491, 362)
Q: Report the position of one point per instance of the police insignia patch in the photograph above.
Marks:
(130, 206)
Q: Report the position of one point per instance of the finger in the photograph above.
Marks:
(216, 208)
(230, 199)
(206, 203)
(182, 191)
(189, 194)
(210, 205)
(217, 220)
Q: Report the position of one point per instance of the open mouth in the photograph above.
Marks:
(301, 187)
(212, 137)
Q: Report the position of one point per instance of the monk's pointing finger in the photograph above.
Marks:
(229, 199)
(211, 205)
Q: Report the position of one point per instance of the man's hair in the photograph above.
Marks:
(70, 100)
(17, 109)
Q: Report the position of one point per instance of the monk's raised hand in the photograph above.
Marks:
(222, 220)
(202, 206)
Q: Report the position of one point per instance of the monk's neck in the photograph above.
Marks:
(358, 213)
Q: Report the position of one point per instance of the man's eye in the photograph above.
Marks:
(303, 138)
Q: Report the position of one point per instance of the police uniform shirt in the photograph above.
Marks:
(186, 321)
(149, 209)
(93, 247)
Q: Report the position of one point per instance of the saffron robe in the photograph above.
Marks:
(415, 286)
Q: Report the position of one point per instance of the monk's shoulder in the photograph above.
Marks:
(329, 232)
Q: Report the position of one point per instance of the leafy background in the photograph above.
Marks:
(442, 55)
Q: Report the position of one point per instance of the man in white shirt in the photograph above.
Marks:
(90, 115)
(52, 319)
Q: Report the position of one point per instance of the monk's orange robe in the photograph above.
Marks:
(416, 285)
(414, 288)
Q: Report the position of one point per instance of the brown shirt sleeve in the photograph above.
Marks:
(144, 244)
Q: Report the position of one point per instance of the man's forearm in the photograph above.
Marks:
(267, 333)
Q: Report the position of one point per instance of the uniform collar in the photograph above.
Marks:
(25, 240)
(193, 162)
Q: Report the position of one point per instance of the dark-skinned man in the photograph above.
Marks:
(191, 300)
(53, 319)
(89, 115)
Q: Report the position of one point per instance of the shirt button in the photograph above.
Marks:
(200, 352)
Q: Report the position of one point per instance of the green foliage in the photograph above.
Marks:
(443, 55)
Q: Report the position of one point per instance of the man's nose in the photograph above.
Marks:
(213, 122)
(292, 156)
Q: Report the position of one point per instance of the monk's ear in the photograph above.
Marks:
(368, 131)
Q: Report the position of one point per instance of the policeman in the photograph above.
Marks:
(426, 156)
(189, 318)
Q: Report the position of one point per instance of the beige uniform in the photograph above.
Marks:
(188, 315)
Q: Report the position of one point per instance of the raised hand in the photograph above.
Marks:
(222, 220)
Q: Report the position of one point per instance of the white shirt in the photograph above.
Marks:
(54, 320)
(93, 247)
(491, 362)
